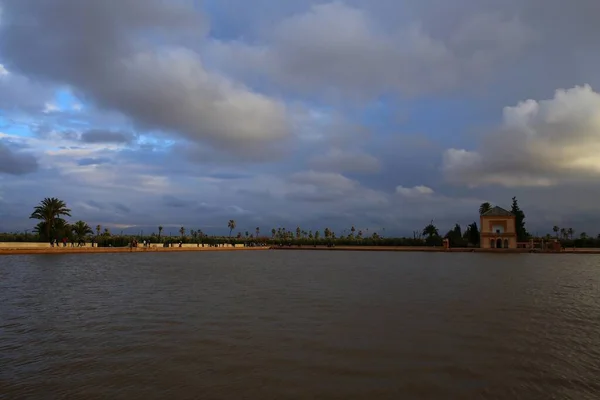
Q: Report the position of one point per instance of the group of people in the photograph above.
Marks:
(65, 241)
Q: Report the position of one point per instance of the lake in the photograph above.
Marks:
(300, 325)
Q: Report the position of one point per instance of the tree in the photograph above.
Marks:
(430, 230)
(522, 234)
(231, 225)
(160, 229)
(570, 232)
(81, 229)
(182, 232)
(257, 232)
(273, 232)
(484, 207)
(98, 229)
(556, 229)
(298, 232)
(352, 230)
(48, 211)
(472, 234)
(455, 236)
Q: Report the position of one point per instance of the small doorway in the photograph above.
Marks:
(506, 243)
(499, 243)
(492, 243)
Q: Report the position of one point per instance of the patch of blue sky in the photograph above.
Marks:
(12, 127)
(65, 100)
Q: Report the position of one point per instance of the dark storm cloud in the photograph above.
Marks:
(103, 136)
(102, 49)
(16, 163)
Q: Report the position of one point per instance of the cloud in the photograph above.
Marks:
(102, 136)
(337, 160)
(540, 143)
(102, 51)
(16, 162)
(92, 161)
(416, 191)
(338, 48)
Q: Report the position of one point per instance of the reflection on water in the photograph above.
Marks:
(275, 325)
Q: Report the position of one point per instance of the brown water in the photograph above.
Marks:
(300, 325)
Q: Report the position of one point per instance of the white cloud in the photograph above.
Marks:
(3, 71)
(540, 143)
(416, 191)
(50, 108)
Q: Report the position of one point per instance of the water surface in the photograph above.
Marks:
(300, 325)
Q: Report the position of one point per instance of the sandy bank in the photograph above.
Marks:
(94, 250)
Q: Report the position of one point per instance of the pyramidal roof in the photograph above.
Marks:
(497, 212)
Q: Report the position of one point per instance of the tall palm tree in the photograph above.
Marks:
(98, 228)
(430, 230)
(570, 232)
(484, 207)
(48, 211)
(81, 229)
(160, 229)
(182, 232)
(555, 228)
(231, 225)
(563, 233)
(257, 232)
(273, 232)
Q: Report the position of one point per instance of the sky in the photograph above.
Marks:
(383, 115)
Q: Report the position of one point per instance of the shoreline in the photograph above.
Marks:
(107, 250)
(426, 249)
(97, 250)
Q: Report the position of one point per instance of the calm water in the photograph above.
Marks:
(300, 325)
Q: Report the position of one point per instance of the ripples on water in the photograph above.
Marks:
(274, 325)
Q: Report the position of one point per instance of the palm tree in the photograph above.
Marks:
(231, 225)
(98, 228)
(81, 229)
(556, 229)
(570, 232)
(273, 232)
(160, 229)
(48, 211)
(583, 235)
(257, 231)
(298, 232)
(563, 233)
(182, 232)
(431, 230)
(484, 207)
(353, 229)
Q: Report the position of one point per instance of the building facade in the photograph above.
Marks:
(498, 229)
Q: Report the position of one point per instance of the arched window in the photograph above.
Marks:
(499, 243)
(506, 243)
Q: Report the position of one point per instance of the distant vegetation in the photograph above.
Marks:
(51, 213)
